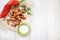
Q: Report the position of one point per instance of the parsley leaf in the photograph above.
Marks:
(28, 13)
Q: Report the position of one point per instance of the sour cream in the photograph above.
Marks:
(23, 29)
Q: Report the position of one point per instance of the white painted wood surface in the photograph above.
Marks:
(53, 19)
(45, 22)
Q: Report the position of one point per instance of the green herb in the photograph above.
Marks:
(24, 6)
(28, 13)
(28, 9)
(20, 1)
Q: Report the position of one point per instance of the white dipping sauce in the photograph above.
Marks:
(23, 29)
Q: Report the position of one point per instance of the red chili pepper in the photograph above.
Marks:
(14, 2)
(5, 10)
